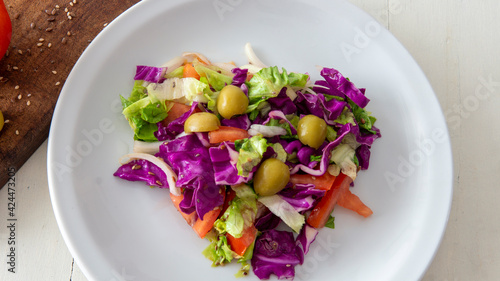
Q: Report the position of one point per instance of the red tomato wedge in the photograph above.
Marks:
(240, 245)
(201, 227)
(352, 202)
(190, 72)
(190, 218)
(322, 211)
(226, 133)
(177, 110)
(323, 182)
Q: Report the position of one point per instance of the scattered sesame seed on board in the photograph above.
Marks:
(17, 132)
(49, 45)
(39, 44)
(29, 95)
(41, 39)
(57, 7)
(16, 87)
(105, 24)
(19, 97)
(54, 72)
(58, 83)
(20, 52)
(6, 121)
(28, 103)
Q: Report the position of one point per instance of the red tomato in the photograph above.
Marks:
(5, 29)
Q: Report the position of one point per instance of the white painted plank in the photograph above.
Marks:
(40, 252)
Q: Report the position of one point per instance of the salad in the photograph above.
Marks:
(255, 158)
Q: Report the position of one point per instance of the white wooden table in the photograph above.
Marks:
(456, 43)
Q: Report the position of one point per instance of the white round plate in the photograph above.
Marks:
(119, 230)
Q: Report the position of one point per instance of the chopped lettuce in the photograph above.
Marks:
(219, 251)
(343, 155)
(143, 112)
(251, 152)
(215, 79)
(240, 214)
(284, 210)
(268, 82)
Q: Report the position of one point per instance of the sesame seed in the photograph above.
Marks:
(74, 1)
(32, 25)
(159, 183)
(71, 4)
(105, 24)
(19, 97)
(54, 72)
(28, 103)
(15, 67)
(51, 19)
(136, 167)
(58, 83)
(41, 39)
(49, 45)
(20, 52)
(57, 7)
(17, 132)
(49, 29)
(69, 33)
(29, 95)
(53, 12)
(6, 121)
(63, 40)
(66, 10)
(16, 87)
(39, 44)
(70, 18)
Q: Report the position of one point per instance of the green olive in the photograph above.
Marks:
(312, 131)
(1, 120)
(201, 122)
(231, 101)
(271, 177)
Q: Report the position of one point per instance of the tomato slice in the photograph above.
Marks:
(201, 227)
(226, 133)
(352, 202)
(322, 211)
(240, 245)
(323, 182)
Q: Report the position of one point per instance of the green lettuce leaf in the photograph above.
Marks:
(219, 251)
(143, 112)
(268, 82)
(240, 213)
(215, 79)
(251, 151)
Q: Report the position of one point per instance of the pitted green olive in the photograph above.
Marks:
(201, 122)
(312, 131)
(271, 177)
(231, 101)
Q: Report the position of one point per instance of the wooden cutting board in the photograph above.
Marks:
(48, 38)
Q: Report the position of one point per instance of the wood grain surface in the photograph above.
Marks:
(48, 38)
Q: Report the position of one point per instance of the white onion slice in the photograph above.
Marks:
(226, 66)
(191, 56)
(171, 176)
(251, 68)
(252, 58)
(173, 64)
(147, 147)
(266, 131)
